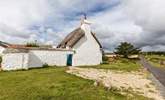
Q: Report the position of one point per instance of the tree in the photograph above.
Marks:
(32, 44)
(126, 49)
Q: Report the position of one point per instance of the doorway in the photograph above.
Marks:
(69, 59)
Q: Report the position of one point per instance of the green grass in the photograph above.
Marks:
(155, 60)
(53, 84)
(120, 64)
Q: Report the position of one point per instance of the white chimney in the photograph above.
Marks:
(85, 25)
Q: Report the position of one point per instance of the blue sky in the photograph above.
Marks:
(114, 21)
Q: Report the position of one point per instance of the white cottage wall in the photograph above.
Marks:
(87, 53)
(15, 61)
(39, 57)
(87, 50)
(34, 59)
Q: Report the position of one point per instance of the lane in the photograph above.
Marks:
(159, 73)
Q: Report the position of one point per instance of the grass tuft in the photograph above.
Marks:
(120, 64)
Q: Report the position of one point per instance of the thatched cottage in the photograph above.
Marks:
(88, 50)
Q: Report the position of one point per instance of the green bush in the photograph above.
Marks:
(105, 60)
(45, 65)
(31, 44)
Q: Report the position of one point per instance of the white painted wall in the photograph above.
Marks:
(1, 50)
(34, 59)
(87, 49)
(15, 61)
(39, 57)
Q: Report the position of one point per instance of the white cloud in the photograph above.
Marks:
(22, 13)
(149, 15)
(154, 48)
(48, 21)
(134, 22)
(17, 15)
(114, 26)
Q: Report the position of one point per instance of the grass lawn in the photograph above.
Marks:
(155, 60)
(53, 84)
(120, 64)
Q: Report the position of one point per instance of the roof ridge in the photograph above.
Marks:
(72, 38)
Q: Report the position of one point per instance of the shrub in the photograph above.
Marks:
(105, 60)
(31, 44)
(45, 65)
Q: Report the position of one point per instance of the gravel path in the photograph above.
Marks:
(136, 81)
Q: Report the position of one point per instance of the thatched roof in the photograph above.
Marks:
(71, 39)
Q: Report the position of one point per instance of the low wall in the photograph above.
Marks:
(39, 57)
(15, 61)
(34, 58)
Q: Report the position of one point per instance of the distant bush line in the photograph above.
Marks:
(154, 52)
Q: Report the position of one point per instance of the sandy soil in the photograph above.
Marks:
(134, 81)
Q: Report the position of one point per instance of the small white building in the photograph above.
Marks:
(88, 50)
(79, 48)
